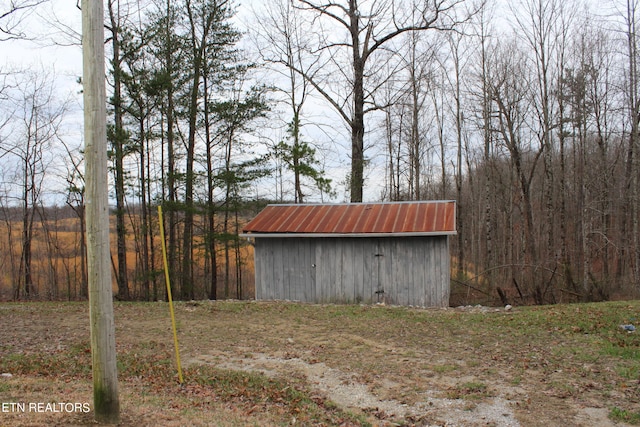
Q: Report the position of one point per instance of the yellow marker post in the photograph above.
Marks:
(168, 282)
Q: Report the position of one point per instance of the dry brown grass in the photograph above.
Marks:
(249, 363)
(56, 266)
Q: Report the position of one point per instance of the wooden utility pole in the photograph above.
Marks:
(103, 344)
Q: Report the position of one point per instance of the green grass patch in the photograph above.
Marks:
(629, 372)
(622, 415)
(623, 345)
(443, 369)
(45, 364)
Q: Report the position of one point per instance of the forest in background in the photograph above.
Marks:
(527, 113)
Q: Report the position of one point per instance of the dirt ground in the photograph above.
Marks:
(466, 366)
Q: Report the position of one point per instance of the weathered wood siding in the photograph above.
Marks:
(397, 270)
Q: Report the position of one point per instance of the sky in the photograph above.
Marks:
(48, 47)
(55, 30)
(54, 46)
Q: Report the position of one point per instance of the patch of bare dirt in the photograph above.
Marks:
(344, 389)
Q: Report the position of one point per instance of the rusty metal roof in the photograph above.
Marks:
(355, 219)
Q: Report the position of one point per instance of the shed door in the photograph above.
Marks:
(300, 271)
(378, 272)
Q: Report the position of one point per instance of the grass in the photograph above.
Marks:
(551, 361)
(622, 415)
(443, 369)
(153, 364)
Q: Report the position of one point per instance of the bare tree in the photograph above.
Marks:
(37, 117)
(12, 16)
(421, 85)
(544, 26)
(458, 52)
(207, 21)
(75, 200)
(485, 126)
(509, 89)
(357, 33)
(632, 95)
(118, 138)
(283, 40)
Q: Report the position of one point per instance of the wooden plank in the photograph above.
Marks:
(417, 273)
(310, 288)
(385, 285)
(384, 256)
(270, 276)
(257, 268)
(439, 273)
(380, 283)
(414, 274)
(427, 280)
(262, 248)
(322, 271)
(278, 270)
(294, 268)
(445, 262)
(422, 275)
(403, 264)
(304, 278)
(336, 271)
(348, 260)
(297, 268)
(281, 260)
(317, 291)
(369, 271)
(434, 275)
(357, 268)
(290, 255)
(390, 280)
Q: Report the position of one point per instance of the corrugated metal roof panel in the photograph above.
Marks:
(430, 217)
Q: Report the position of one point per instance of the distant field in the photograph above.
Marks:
(56, 264)
(262, 363)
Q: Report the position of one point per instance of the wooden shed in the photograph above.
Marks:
(397, 253)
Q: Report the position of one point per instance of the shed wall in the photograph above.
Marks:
(396, 270)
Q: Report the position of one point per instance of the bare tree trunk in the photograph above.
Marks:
(461, 235)
(486, 105)
(144, 213)
(172, 245)
(632, 169)
(118, 141)
(238, 258)
(53, 252)
(84, 284)
(14, 270)
(27, 225)
(415, 151)
(227, 208)
(210, 234)
(357, 122)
